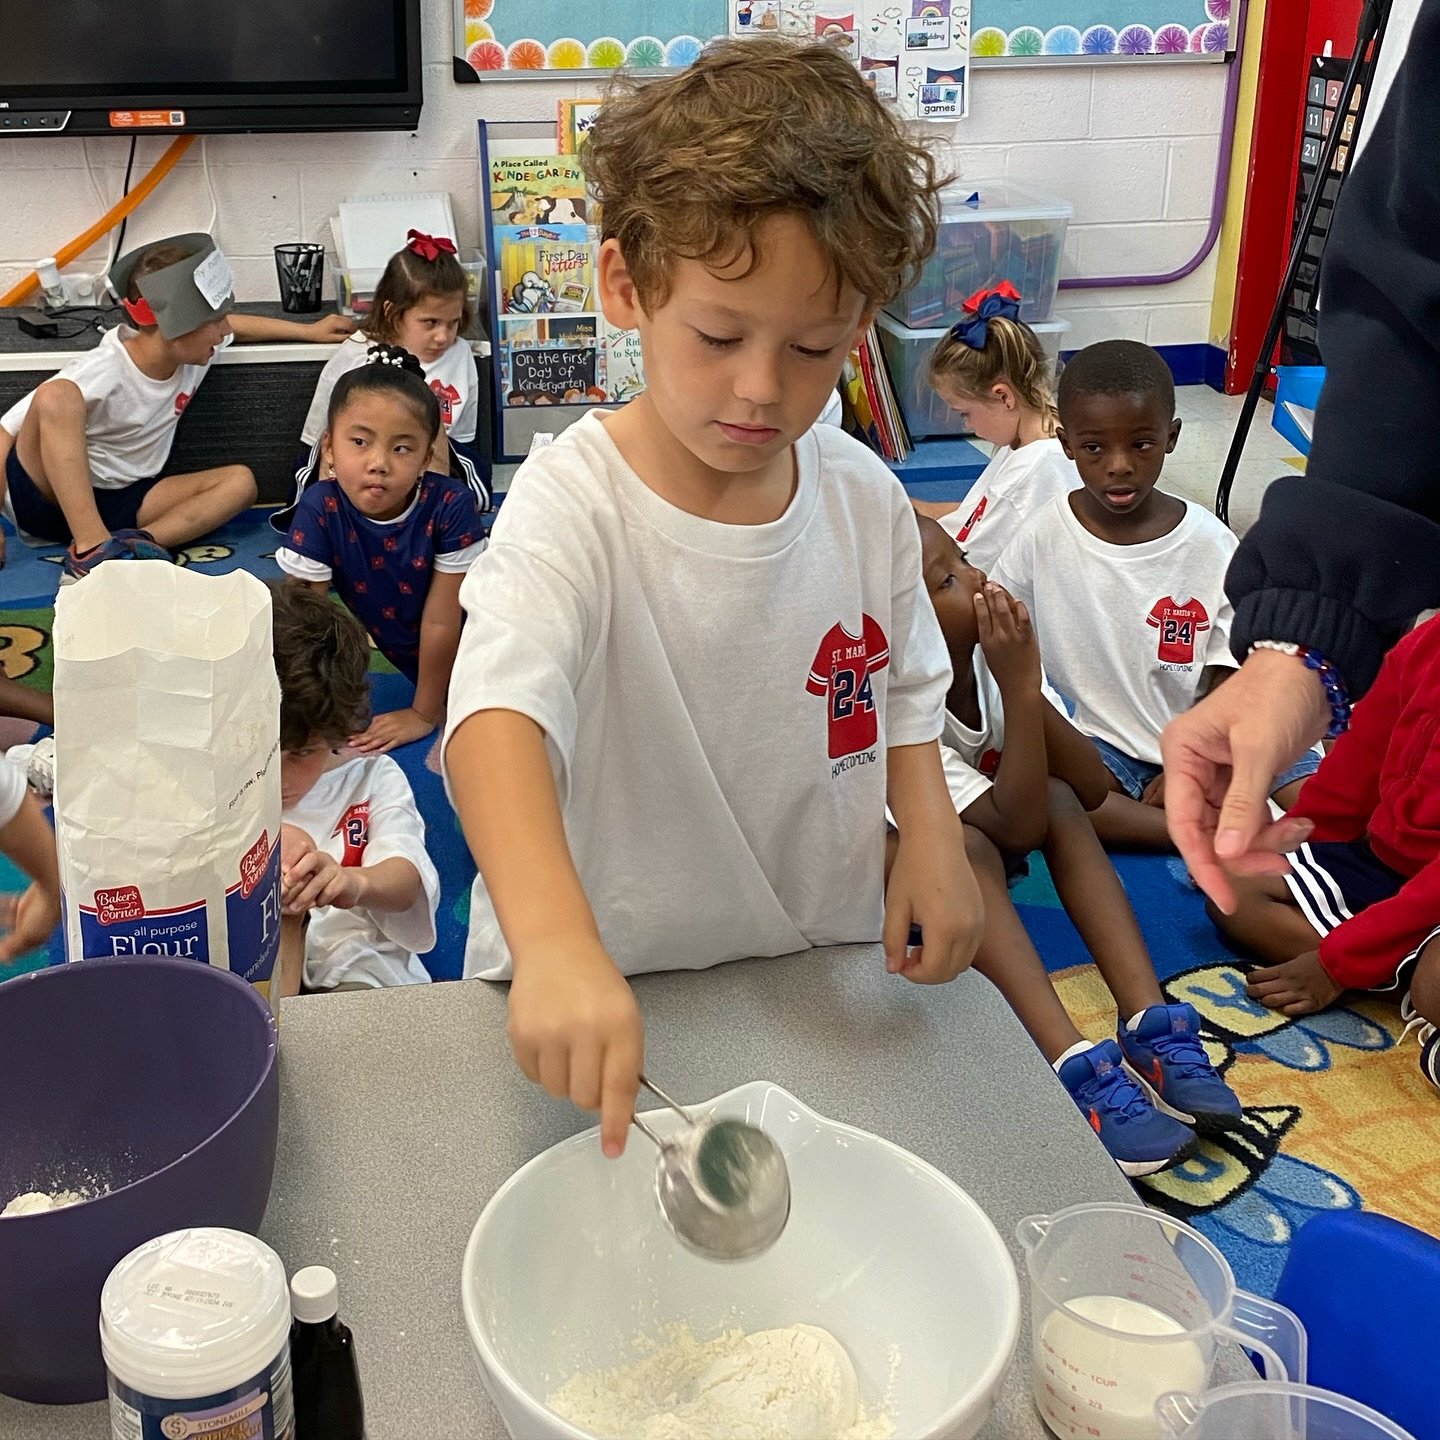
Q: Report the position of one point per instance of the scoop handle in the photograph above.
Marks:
(660, 1095)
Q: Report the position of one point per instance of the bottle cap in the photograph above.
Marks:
(313, 1294)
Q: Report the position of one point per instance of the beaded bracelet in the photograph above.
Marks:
(1334, 683)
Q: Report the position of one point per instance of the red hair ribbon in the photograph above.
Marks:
(428, 247)
(139, 311)
(1005, 290)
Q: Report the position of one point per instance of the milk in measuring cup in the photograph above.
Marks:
(1104, 1386)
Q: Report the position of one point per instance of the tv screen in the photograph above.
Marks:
(114, 66)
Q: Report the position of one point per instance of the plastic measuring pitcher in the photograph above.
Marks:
(1127, 1305)
(1259, 1410)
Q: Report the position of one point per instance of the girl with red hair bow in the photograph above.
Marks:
(420, 305)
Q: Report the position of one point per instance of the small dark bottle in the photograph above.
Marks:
(328, 1402)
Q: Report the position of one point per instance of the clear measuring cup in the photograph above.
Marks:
(1127, 1305)
(1260, 1410)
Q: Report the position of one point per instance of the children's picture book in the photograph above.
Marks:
(537, 190)
(545, 270)
(574, 118)
(623, 375)
(551, 375)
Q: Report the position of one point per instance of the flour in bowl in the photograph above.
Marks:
(36, 1202)
(796, 1383)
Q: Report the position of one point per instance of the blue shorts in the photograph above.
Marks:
(1135, 775)
(1332, 881)
(45, 520)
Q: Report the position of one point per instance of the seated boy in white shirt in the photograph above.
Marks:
(698, 654)
(1022, 777)
(1126, 584)
(358, 890)
(84, 452)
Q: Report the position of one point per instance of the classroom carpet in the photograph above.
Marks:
(1337, 1115)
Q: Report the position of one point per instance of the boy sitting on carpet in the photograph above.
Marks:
(1359, 906)
(1126, 585)
(698, 656)
(83, 451)
(358, 889)
(1019, 774)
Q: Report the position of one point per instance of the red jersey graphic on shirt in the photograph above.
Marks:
(976, 515)
(181, 401)
(447, 395)
(842, 672)
(354, 829)
(1180, 626)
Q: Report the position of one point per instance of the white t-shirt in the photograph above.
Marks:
(12, 791)
(1012, 487)
(1125, 630)
(451, 377)
(972, 756)
(717, 699)
(130, 419)
(361, 813)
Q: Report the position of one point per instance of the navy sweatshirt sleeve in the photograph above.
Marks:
(1343, 558)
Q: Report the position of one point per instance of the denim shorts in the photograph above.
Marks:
(1134, 775)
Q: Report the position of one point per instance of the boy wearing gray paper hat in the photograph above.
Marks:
(84, 451)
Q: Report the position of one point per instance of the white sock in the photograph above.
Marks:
(1080, 1047)
(1133, 1023)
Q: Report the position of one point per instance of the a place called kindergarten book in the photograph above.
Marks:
(537, 190)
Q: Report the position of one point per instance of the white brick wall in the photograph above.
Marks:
(1132, 147)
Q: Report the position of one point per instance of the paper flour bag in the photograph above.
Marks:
(167, 738)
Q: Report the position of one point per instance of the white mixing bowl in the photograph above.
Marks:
(571, 1261)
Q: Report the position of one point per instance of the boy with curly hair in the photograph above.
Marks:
(699, 653)
(358, 890)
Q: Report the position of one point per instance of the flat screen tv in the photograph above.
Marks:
(117, 67)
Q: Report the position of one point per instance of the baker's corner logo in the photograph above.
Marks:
(253, 864)
(122, 903)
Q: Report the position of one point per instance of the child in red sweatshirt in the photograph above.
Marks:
(1360, 905)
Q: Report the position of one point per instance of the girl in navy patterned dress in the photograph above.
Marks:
(394, 540)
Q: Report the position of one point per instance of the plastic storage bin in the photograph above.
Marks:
(907, 355)
(355, 289)
(990, 230)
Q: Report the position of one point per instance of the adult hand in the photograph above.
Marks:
(1221, 759)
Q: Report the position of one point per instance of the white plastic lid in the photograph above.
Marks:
(1000, 200)
(313, 1294)
(194, 1312)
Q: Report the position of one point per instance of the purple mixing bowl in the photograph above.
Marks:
(154, 1079)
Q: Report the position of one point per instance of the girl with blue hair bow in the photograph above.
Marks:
(991, 367)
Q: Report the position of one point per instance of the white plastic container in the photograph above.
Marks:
(990, 230)
(907, 354)
(195, 1331)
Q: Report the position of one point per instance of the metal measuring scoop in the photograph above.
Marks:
(722, 1184)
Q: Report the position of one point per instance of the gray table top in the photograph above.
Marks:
(402, 1112)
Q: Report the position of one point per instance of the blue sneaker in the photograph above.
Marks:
(1139, 1138)
(1428, 1036)
(122, 545)
(1163, 1050)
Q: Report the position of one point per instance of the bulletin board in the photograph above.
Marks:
(499, 39)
